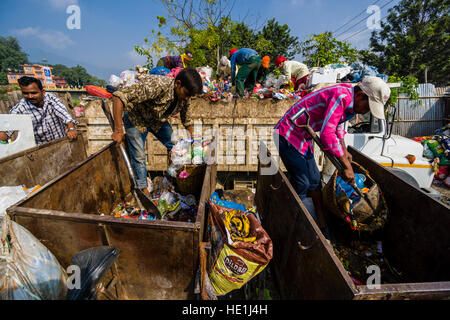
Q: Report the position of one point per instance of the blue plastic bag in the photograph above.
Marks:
(160, 71)
(342, 186)
(227, 204)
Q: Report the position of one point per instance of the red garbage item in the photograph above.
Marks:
(98, 91)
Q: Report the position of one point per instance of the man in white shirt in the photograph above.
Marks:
(294, 71)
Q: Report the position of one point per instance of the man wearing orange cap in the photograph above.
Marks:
(294, 71)
(250, 62)
(264, 69)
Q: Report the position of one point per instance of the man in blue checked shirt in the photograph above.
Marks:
(249, 62)
(50, 118)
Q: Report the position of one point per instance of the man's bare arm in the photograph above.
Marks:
(3, 136)
(118, 133)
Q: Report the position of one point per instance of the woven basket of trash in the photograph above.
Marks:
(368, 213)
(190, 179)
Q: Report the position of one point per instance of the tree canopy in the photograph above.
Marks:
(77, 75)
(414, 38)
(207, 29)
(322, 49)
(11, 55)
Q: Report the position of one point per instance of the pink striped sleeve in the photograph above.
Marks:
(340, 131)
(329, 133)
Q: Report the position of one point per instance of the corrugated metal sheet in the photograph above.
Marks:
(422, 117)
(442, 91)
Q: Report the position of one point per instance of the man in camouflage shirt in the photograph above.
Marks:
(146, 107)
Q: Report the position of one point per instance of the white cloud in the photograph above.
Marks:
(52, 38)
(30, 31)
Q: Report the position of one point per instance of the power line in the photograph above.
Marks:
(352, 19)
(358, 32)
(360, 21)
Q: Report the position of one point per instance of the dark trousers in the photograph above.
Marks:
(303, 171)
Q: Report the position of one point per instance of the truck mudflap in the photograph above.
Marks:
(306, 267)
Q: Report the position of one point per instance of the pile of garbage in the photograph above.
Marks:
(171, 205)
(346, 197)
(273, 87)
(185, 152)
(360, 256)
(437, 149)
(338, 72)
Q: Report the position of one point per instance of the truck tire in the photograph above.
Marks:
(405, 176)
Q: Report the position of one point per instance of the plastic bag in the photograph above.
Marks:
(29, 270)
(174, 72)
(197, 152)
(128, 78)
(93, 263)
(427, 153)
(181, 153)
(227, 204)
(234, 263)
(160, 71)
(205, 73)
(115, 81)
(10, 196)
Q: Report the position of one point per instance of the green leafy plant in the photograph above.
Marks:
(323, 49)
(409, 85)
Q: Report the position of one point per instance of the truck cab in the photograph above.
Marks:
(373, 137)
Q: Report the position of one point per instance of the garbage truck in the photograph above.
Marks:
(402, 156)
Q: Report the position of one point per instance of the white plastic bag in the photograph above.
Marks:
(205, 73)
(115, 81)
(128, 78)
(10, 196)
(29, 271)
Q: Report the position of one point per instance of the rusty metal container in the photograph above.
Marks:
(158, 259)
(305, 266)
(41, 164)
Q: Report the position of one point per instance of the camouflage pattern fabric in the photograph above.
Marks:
(148, 103)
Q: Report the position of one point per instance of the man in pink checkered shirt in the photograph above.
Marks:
(328, 109)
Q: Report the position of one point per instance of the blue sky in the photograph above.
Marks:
(110, 29)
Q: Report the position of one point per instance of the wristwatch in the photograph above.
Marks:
(72, 129)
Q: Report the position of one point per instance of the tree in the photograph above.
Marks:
(11, 55)
(280, 36)
(76, 76)
(3, 78)
(205, 27)
(414, 38)
(323, 49)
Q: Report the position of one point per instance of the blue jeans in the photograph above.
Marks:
(136, 147)
(303, 171)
